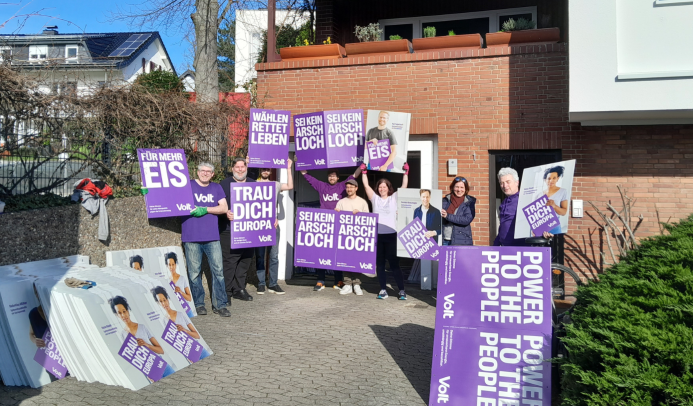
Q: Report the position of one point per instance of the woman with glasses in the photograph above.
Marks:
(458, 213)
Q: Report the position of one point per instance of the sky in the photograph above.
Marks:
(74, 16)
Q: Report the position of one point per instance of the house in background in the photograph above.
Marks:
(610, 92)
(188, 79)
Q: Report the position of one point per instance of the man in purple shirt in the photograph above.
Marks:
(330, 193)
(510, 184)
(200, 235)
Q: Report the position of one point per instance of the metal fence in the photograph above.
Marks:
(23, 175)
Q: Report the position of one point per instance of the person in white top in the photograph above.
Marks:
(354, 204)
(384, 200)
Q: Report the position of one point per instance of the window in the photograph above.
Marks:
(38, 52)
(71, 53)
(5, 54)
(64, 88)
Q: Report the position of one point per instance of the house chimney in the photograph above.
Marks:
(51, 30)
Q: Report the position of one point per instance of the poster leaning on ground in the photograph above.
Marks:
(164, 174)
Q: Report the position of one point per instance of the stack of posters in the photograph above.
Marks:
(124, 328)
(164, 263)
(29, 356)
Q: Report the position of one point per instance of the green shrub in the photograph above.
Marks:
(519, 25)
(29, 202)
(631, 341)
(368, 33)
(451, 33)
(160, 81)
(429, 32)
(394, 37)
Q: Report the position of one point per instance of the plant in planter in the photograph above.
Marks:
(429, 32)
(450, 42)
(369, 33)
(370, 43)
(394, 37)
(451, 33)
(521, 31)
(519, 25)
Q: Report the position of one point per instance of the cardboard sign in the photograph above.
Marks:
(378, 154)
(164, 174)
(268, 138)
(142, 358)
(49, 357)
(183, 343)
(540, 217)
(416, 243)
(254, 209)
(329, 139)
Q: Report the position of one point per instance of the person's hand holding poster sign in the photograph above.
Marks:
(165, 177)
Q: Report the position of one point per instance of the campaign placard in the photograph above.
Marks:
(493, 326)
(183, 343)
(418, 246)
(254, 211)
(424, 204)
(142, 358)
(309, 137)
(268, 138)
(540, 217)
(164, 174)
(49, 357)
(378, 156)
(336, 240)
(184, 303)
(345, 139)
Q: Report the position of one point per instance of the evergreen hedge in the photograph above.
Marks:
(631, 341)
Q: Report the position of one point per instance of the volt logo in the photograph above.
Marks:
(182, 207)
(368, 266)
(325, 261)
(448, 313)
(435, 254)
(355, 159)
(443, 387)
(319, 162)
(279, 161)
(200, 198)
(330, 198)
(265, 238)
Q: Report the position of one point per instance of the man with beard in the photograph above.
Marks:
(236, 261)
(330, 193)
(260, 251)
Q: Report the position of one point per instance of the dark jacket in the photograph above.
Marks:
(433, 218)
(460, 221)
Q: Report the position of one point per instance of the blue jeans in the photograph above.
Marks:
(447, 242)
(273, 263)
(193, 256)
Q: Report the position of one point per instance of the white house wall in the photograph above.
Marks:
(153, 53)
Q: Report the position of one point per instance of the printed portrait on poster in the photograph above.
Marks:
(423, 204)
(387, 138)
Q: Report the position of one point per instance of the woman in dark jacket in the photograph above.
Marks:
(458, 213)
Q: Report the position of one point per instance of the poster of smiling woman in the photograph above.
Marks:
(544, 201)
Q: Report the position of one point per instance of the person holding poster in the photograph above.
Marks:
(381, 132)
(355, 205)
(558, 196)
(273, 251)
(330, 192)
(510, 184)
(429, 215)
(459, 210)
(200, 236)
(236, 261)
(385, 206)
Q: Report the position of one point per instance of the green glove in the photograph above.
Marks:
(144, 190)
(199, 211)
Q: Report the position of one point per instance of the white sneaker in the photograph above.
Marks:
(357, 290)
(345, 290)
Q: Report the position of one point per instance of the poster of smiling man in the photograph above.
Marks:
(544, 202)
(387, 136)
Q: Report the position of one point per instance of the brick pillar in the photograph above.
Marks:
(324, 21)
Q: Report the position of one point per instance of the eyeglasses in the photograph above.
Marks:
(204, 171)
(460, 179)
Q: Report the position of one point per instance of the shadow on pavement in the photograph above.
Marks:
(411, 346)
(15, 395)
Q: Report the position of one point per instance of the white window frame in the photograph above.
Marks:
(670, 2)
(67, 50)
(492, 15)
(2, 49)
(36, 50)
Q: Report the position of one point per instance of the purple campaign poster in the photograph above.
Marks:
(165, 175)
(183, 302)
(493, 327)
(336, 240)
(142, 358)
(49, 357)
(418, 246)
(254, 210)
(309, 136)
(183, 343)
(357, 242)
(345, 138)
(540, 216)
(268, 138)
(378, 154)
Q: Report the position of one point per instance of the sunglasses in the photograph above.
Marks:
(460, 179)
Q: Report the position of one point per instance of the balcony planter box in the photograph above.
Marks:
(538, 36)
(327, 51)
(392, 47)
(448, 43)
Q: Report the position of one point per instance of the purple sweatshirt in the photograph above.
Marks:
(329, 194)
(506, 231)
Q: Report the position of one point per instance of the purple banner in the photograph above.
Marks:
(268, 138)
(142, 358)
(309, 136)
(336, 240)
(540, 216)
(183, 302)
(345, 138)
(493, 327)
(418, 246)
(183, 343)
(164, 174)
(378, 154)
(49, 357)
(254, 211)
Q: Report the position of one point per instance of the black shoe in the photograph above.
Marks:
(276, 289)
(242, 295)
(201, 311)
(224, 312)
(261, 290)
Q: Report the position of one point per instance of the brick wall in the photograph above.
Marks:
(503, 99)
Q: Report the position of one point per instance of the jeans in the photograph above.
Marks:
(193, 255)
(387, 250)
(338, 276)
(447, 242)
(273, 263)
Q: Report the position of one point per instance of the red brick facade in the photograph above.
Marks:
(503, 99)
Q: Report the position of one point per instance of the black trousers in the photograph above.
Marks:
(387, 250)
(236, 264)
